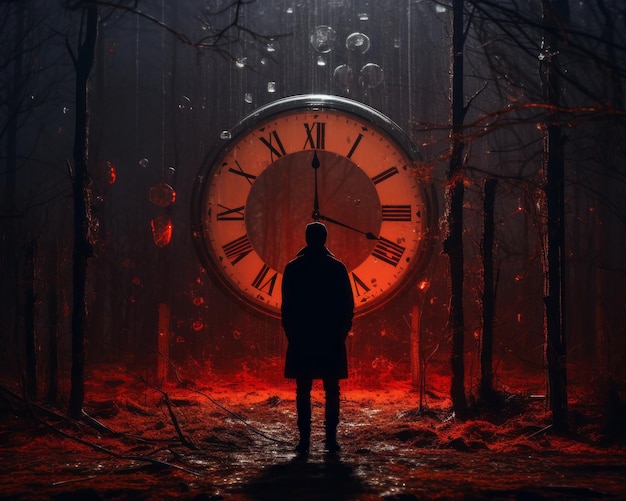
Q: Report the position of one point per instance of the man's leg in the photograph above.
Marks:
(331, 415)
(303, 408)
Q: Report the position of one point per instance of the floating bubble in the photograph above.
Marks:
(271, 87)
(225, 134)
(321, 61)
(184, 103)
(396, 43)
(271, 46)
(247, 97)
(440, 9)
(363, 16)
(198, 301)
(197, 325)
(371, 75)
(162, 194)
(162, 230)
(144, 162)
(322, 38)
(241, 62)
(343, 77)
(65, 110)
(358, 42)
(289, 10)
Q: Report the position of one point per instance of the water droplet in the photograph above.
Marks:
(440, 9)
(247, 97)
(271, 87)
(371, 75)
(396, 43)
(343, 77)
(65, 110)
(144, 162)
(321, 61)
(358, 42)
(363, 16)
(240, 62)
(225, 134)
(322, 38)
(289, 10)
(271, 47)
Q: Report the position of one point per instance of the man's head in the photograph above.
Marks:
(315, 234)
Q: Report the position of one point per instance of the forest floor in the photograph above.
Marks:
(233, 439)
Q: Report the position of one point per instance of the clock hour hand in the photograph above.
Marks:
(368, 234)
(316, 204)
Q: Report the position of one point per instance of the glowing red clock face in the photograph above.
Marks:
(259, 195)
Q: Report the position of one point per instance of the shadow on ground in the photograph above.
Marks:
(305, 479)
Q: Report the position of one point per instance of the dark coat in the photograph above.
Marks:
(317, 314)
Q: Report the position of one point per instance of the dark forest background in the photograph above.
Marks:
(169, 77)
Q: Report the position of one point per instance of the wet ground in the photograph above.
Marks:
(233, 439)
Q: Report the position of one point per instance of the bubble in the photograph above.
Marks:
(247, 97)
(358, 42)
(241, 62)
(144, 162)
(271, 87)
(363, 16)
(371, 75)
(322, 38)
(271, 47)
(343, 77)
(197, 326)
(321, 61)
(289, 10)
(225, 134)
(162, 194)
(65, 110)
(396, 43)
(440, 9)
(184, 103)
(161, 230)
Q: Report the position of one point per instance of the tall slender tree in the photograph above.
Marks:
(82, 247)
(555, 16)
(453, 244)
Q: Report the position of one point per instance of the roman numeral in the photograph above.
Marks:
(359, 285)
(354, 146)
(237, 249)
(396, 212)
(240, 172)
(318, 142)
(386, 174)
(388, 251)
(235, 214)
(274, 144)
(263, 282)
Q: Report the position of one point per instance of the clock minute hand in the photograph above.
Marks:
(368, 234)
(316, 204)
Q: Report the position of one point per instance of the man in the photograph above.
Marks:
(317, 312)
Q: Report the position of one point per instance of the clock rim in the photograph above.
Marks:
(310, 102)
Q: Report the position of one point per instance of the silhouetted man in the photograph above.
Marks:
(317, 314)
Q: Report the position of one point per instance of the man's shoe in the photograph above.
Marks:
(332, 447)
(303, 447)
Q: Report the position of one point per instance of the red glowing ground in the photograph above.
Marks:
(239, 435)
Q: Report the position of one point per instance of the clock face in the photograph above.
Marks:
(257, 194)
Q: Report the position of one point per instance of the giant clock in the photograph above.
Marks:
(305, 158)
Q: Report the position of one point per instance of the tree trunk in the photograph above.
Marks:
(486, 390)
(555, 13)
(453, 245)
(82, 249)
(30, 347)
(53, 328)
